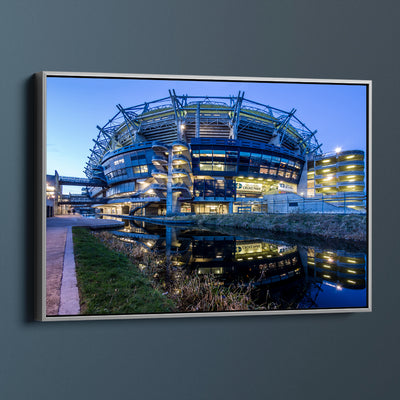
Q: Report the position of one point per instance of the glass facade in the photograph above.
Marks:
(214, 188)
(218, 161)
(123, 188)
(226, 171)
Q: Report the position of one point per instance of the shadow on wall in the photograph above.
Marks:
(30, 187)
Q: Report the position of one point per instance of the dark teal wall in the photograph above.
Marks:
(350, 356)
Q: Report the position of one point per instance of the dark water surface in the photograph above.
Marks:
(286, 271)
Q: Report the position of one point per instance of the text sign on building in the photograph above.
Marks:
(248, 187)
(248, 248)
(284, 187)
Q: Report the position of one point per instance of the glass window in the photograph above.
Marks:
(206, 153)
(195, 153)
(272, 171)
(255, 159)
(266, 158)
(231, 157)
(254, 168)
(283, 162)
(288, 174)
(206, 166)
(219, 154)
(217, 166)
(281, 172)
(244, 157)
(275, 160)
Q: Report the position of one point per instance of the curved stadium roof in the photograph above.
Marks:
(186, 117)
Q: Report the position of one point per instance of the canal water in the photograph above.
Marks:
(285, 271)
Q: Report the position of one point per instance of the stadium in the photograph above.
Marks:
(199, 154)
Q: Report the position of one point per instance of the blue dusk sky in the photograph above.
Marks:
(75, 106)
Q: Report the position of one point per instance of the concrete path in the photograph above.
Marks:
(69, 295)
(62, 297)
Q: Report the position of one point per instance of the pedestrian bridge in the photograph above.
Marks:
(80, 200)
(73, 181)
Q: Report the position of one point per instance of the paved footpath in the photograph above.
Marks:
(62, 297)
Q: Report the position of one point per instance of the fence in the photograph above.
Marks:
(284, 204)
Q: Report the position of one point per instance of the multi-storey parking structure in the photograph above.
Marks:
(338, 177)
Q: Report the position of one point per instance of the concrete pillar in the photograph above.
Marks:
(302, 186)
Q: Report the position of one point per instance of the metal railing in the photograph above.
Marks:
(344, 204)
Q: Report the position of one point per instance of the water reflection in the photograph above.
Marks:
(285, 274)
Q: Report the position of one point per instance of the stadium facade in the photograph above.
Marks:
(191, 154)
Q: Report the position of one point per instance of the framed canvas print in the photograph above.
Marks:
(177, 196)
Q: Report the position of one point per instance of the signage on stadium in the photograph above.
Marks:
(285, 187)
(248, 248)
(248, 187)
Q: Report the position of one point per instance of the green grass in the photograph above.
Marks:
(109, 283)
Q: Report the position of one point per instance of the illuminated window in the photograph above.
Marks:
(272, 171)
(140, 169)
(219, 154)
(218, 167)
(206, 166)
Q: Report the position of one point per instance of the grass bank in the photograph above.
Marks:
(109, 283)
(187, 291)
(327, 226)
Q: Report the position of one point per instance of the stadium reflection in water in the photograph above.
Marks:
(285, 275)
